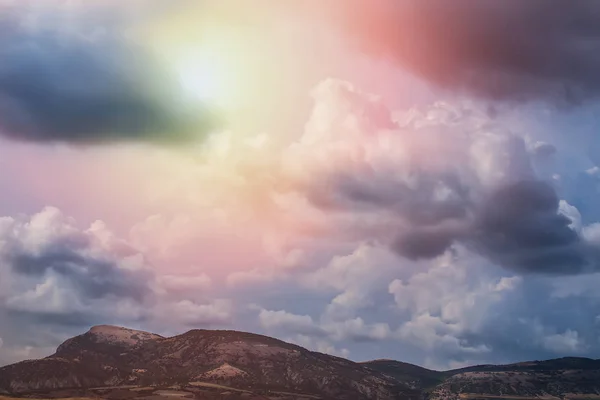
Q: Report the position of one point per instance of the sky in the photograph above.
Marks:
(414, 180)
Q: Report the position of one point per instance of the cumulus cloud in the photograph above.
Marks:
(350, 282)
(353, 329)
(568, 342)
(321, 336)
(190, 313)
(449, 304)
(67, 278)
(49, 246)
(499, 49)
(319, 345)
(433, 177)
(70, 74)
(183, 283)
(300, 324)
(456, 309)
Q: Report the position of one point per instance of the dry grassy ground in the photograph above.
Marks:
(568, 396)
(195, 390)
(67, 398)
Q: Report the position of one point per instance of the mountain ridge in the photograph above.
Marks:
(244, 362)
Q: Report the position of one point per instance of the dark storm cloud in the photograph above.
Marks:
(433, 221)
(415, 200)
(503, 49)
(423, 243)
(49, 246)
(449, 176)
(517, 226)
(520, 227)
(57, 85)
(93, 277)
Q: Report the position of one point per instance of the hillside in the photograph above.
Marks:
(413, 375)
(118, 363)
(570, 377)
(110, 356)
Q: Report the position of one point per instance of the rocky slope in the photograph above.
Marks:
(565, 378)
(110, 356)
(229, 364)
(416, 377)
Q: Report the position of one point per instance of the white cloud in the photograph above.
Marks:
(450, 306)
(337, 330)
(189, 313)
(456, 288)
(54, 271)
(319, 345)
(48, 297)
(437, 335)
(282, 320)
(568, 342)
(183, 284)
(252, 277)
(357, 329)
(355, 278)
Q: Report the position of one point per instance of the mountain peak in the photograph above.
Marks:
(105, 327)
(238, 336)
(118, 334)
(108, 356)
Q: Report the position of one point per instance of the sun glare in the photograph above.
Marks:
(207, 76)
(217, 64)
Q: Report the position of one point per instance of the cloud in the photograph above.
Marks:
(55, 274)
(436, 335)
(75, 76)
(300, 324)
(461, 309)
(521, 227)
(353, 329)
(390, 226)
(568, 342)
(457, 308)
(182, 283)
(501, 50)
(190, 313)
(350, 280)
(543, 149)
(13, 354)
(64, 278)
(451, 300)
(319, 345)
(436, 176)
(49, 246)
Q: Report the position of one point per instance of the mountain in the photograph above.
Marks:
(569, 378)
(566, 378)
(118, 363)
(113, 356)
(413, 375)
